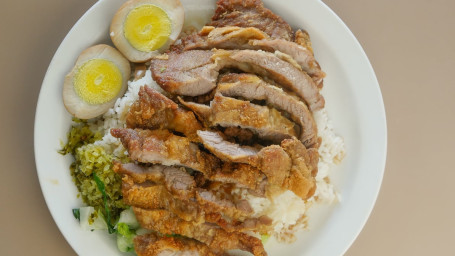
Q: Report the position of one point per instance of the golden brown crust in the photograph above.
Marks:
(154, 244)
(155, 111)
(216, 238)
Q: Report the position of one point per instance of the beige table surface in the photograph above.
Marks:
(411, 45)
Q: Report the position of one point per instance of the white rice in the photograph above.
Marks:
(286, 210)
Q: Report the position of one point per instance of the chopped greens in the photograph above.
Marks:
(100, 185)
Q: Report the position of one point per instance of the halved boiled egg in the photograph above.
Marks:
(98, 78)
(142, 29)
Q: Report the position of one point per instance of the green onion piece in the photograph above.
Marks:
(100, 186)
(77, 214)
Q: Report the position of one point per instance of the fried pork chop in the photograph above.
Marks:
(163, 147)
(252, 87)
(267, 123)
(155, 111)
(212, 235)
(156, 245)
(236, 38)
(175, 75)
(289, 166)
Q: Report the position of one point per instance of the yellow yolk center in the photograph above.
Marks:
(98, 81)
(147, 27)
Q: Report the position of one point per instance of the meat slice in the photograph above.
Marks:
(267, 122)
(176, 79)
(242, 175)
(140, 173)
(236, 38)
(252, 87)
(155, 245)
(301, 179)
(189, 73)
(152, 147)
(214, 204)
(155, 111)
(155, 196)
(223, 38)
(271, 66)
(226, 150)
(163, 147)
(303, 56)
(213, 236)
(202, 206)
(250, 13)
(288, 166)
(176, 180)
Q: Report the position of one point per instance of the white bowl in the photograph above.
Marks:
(354, 103)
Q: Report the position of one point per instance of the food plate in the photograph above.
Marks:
(354, 104)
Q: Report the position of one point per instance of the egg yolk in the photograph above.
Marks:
(98, 81)
(147, 27)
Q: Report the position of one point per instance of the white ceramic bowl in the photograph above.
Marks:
(354, 104)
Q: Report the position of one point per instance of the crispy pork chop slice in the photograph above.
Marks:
(288, 166)
(176, 179)
(173, 76)
(155, 196)
(155, 245)
(250, 13)
(225, 150)
(212, 235)
(237, 38)
(303, 56)
(252, 87)
(201, 206)
(189, 73)
(266, 122)
(153, 110)
(273, 67)
(163, 147)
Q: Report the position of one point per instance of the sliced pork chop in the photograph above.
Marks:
(189, 73)
(177, 79)
(154, 196)
(155, 245)
(203, 206)
(176, 180)
(250, 13)
(267, 122)
(242, 175)
(236, 38)
(155, 111)
(225, 150)
(252, 87)
(271, 66)
(213, 236)
(288, 166)
(300, 54)
(163, 147)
